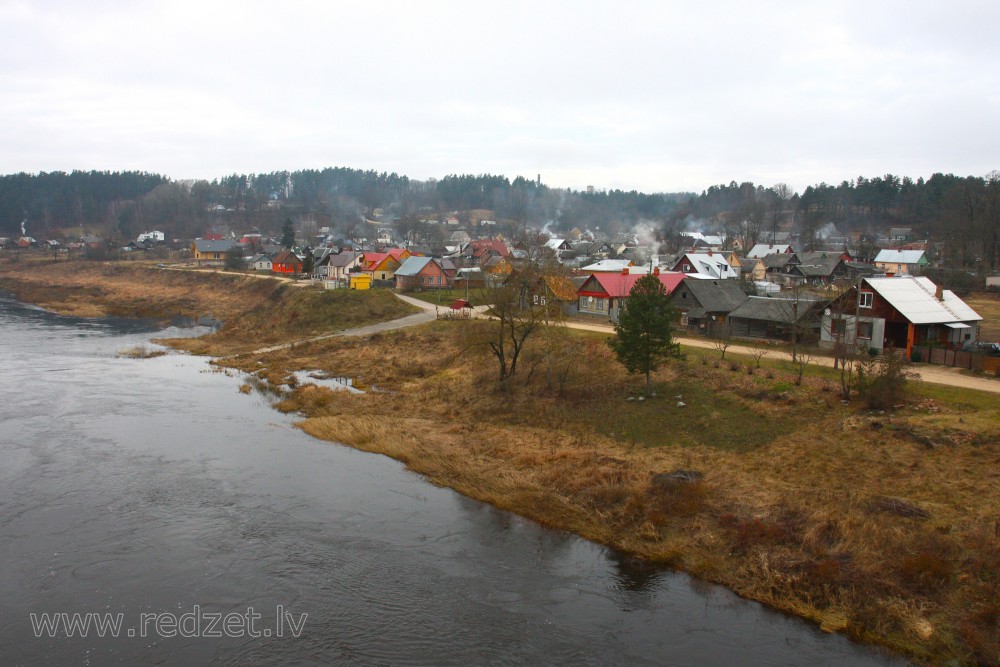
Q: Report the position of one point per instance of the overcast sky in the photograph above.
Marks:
(655, 96)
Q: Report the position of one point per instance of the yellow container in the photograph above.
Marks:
(361, 281)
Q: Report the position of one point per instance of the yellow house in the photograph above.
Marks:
(383, 265)
(361, 281)
(208, 253)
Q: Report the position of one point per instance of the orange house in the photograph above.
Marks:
(286, 262)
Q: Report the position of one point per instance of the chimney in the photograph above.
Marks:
(656, 272)
(625, 271)
(938, 293)
(709, 252)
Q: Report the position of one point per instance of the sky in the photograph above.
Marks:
(655, 96)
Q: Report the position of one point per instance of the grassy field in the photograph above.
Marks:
(987, 305)
(445, 297)
(884, 526)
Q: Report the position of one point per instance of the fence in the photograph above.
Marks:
(973, 361)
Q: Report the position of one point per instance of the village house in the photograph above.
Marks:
(704, 305)
(207, 252)
(899, 311)
(260, 262)
(777, 318)
(337, 267)
(286, 262)
(421, 273)
(752, 269)
(711, 265)
(901, 262)
(603, 293)
(558, 290)
(817, 268)
(381, 266)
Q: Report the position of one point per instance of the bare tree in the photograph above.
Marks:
(723, 338)
(758, 350)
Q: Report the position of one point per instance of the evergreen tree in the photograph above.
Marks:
(288, 234)
(644, 333)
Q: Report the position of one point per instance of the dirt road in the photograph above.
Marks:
(927, 373)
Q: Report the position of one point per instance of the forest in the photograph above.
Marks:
(960, 212)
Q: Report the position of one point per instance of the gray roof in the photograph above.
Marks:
(818, 263)
(779, 260)
(341, 259)
(413, 265)
(203, 245)
(773, 309)
(714, 296)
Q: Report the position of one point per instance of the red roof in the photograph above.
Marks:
(618, 285)
(482, 246)
(459, 304)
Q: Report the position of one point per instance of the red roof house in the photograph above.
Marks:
(603, 293)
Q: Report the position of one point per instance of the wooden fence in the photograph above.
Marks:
(974, 361)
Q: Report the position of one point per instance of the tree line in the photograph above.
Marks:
(963, 213)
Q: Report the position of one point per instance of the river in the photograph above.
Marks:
(154, 491)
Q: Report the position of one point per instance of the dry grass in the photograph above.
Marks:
(140, 352)
(884, 526)
(987, 305)
(797, 498)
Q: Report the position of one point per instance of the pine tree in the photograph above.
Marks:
(644, 333)
(288, 234)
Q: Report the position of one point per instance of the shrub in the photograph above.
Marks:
(882, 381)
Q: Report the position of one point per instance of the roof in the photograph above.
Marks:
(749, 263)
(714, 296)
(778, 261)
(618, 285)
(286, 257)
(413, 266)
(901, 256)
(206, 245)
(773, 309)
(714, 264)
(554, 243)
(914, 298)
(562, 288)
(614, 265)
(481, 246)
(763, 249)
(818, 263)
(342, 259)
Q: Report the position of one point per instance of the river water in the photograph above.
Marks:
(152, 489)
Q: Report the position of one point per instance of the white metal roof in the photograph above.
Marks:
(913, 297)
(763, 249)
(899, 256)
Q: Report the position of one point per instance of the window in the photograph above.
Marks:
(534, 299)
(865, 299)
(600, 304)
(439, 280)
(865, 330)
(839, 328)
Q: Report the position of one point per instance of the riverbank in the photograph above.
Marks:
(881, 526)
(255, 311)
